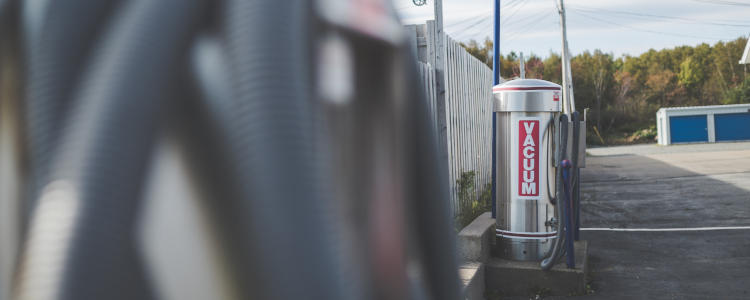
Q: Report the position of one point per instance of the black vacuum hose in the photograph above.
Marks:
(556, 251)
(56, 56)
(271, 134)
(111, 100)
(81, 237)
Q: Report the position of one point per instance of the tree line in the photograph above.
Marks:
(624, 93)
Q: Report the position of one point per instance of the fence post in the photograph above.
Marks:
(436, 57)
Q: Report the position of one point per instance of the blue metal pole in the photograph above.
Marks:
(495, 81)
(496, 46)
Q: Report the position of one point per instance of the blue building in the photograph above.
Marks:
(703, 124)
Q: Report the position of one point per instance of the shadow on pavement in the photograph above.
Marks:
(631, 191)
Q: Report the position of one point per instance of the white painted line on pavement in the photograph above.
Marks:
(667, 229)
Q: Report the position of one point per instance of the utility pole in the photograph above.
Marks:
(437, 57)
(495, 81)
(569, 104)
(522, 66)
(440, 45)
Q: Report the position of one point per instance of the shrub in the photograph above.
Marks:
(471, 203)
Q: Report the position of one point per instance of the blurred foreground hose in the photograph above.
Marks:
(100, 86)
(285, 234)
(79, 243)
(60, 37)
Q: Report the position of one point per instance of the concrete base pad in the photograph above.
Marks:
(522, 278)
(472, 281)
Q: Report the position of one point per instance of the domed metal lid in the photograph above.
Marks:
(526, 85)
(530, 95)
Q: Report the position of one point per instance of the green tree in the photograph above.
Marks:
(625, 92)
(691, 72)
(738, 94)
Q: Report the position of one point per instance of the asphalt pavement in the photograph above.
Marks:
(668, 222)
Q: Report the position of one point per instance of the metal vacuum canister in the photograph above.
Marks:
(525, 115)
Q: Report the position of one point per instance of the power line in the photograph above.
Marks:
(531, 24)
(651, 16)
(510, 4)
(473, 36)
(518, 4)
(515, 22)
(509, 7)
(505, 21)
(527, 22)
(642, 30)
(471, 26)
(526, 27)
(723, 2)
(520, 34)
(470, 18)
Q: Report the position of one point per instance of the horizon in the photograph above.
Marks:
(557, 52)
(620, 28)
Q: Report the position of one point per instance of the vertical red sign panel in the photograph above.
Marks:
(528, 158)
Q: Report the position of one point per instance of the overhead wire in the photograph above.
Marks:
(460, 27)
(510, 17)
(467, 29)
(511, 29)
(641, 29)
(520, 34)
(529, 23)
(468, 19)
(506, 6)
(724, 2)
(652, 16)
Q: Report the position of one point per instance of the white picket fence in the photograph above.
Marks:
(466, 130)
(427, 79)
(468, 105)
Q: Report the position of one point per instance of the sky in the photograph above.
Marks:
(619, 27)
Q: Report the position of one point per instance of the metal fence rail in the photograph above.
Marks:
(465, 131)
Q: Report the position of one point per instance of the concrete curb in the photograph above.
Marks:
(474, 245)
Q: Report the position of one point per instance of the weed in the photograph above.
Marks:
(471, 203)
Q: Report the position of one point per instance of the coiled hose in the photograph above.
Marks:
(80, 243)
(557, 249)
(270, 137)
(56, 56)
(276, 206)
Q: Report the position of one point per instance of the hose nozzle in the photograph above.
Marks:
(566, 164)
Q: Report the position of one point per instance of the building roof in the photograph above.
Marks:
(708, 107)
(746, 55)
